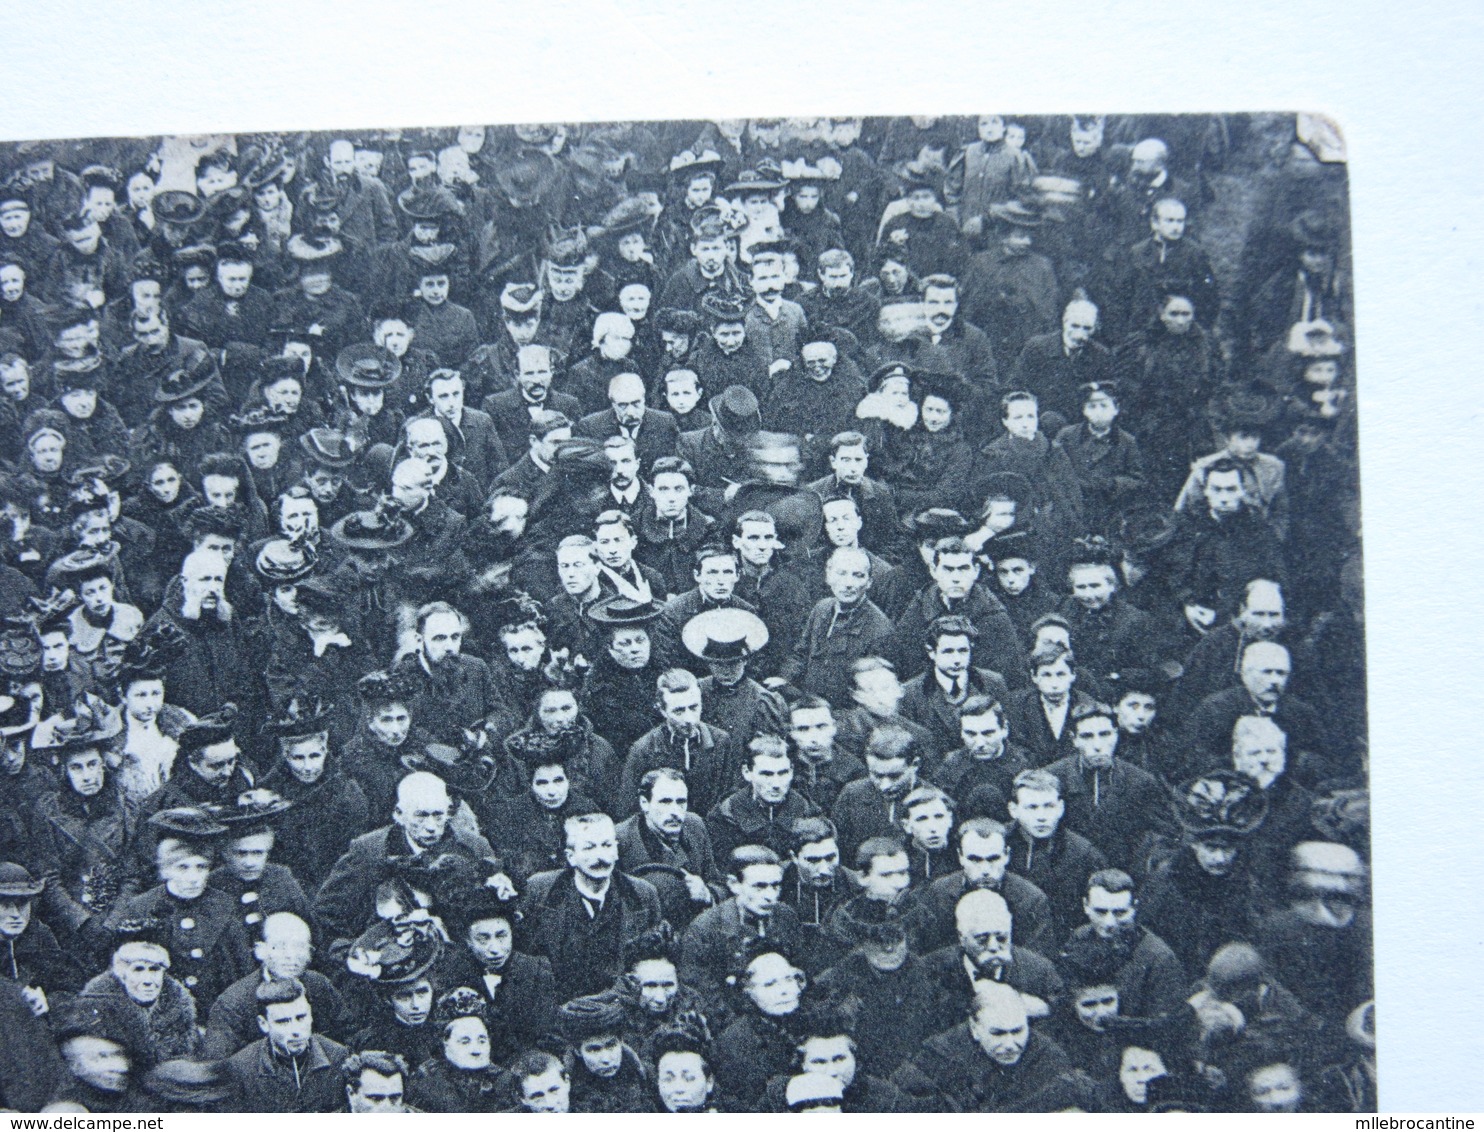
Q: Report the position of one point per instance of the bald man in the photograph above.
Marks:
(992, 1062)
(1265, 670)
(1054, 365)
(427, 439)
(654, 433)
(283, 951)
(984, 954)
(214, 666)
(433, 557)
(420, 828)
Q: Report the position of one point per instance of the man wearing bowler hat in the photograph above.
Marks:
(719, 452)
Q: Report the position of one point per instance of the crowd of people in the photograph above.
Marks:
(773, 615)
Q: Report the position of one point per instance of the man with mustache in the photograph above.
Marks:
(453, 693)
(665, 832)
(582, 917)
(774, 324)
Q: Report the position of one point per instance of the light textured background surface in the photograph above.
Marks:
(1403, 80)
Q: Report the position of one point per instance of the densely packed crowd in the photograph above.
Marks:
(739, 616)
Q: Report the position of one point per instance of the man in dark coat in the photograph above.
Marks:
(474, 443)
(513, 410)
(840, 631)
(956, 591)
(452, 692)
(764, 810)
(936, 698)
(669, 527)
(716, 940)
(1053, 367)
(849, 456)
(980, 773)
(420, 832)
(290, 1068)
(701, 752)
(653, 432)
(1053, 858)
(665, 832)
(582, 918)
(983, 855)
(994, 1062)
(1264, 691)
(215, 665)
(1150, 981)
(1115, 805)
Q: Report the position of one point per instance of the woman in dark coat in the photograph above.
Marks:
(760, 1042)
(1167, 373)
(620, 686)
(463, 1078)
(529, 834)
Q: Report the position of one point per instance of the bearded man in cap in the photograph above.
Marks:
(137, 985)
(421, 830)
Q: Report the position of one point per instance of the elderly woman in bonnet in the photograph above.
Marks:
(463, 1078)
(46, 434)
(137, 983)
(761, 1039)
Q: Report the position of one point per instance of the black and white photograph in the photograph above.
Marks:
(750, 615)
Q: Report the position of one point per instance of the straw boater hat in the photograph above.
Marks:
(724, 634)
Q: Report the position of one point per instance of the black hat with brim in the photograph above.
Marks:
(623, 611)
(368, 366)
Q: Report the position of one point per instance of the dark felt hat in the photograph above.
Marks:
(182, 1081)
(1219, 804)
(382, 687)
(368, 366)
(622, 611)
(723, 308)
(188, 380)
(254, 808)
(196, 823)
(282, 561)
(427, 202)
(1016, 214)
(757, 181)
(381, 528)
(18, 715)
(1253, 404)
(314, 249)
(208, 730)
(935, 523)
(108, 468)
(17, 882)
(736, 410)
(176, 206)
(632, 214)
(591, 1016)
(329, 447)
(301, 716)
(465, 772)
(945, 386)
(528, 180)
